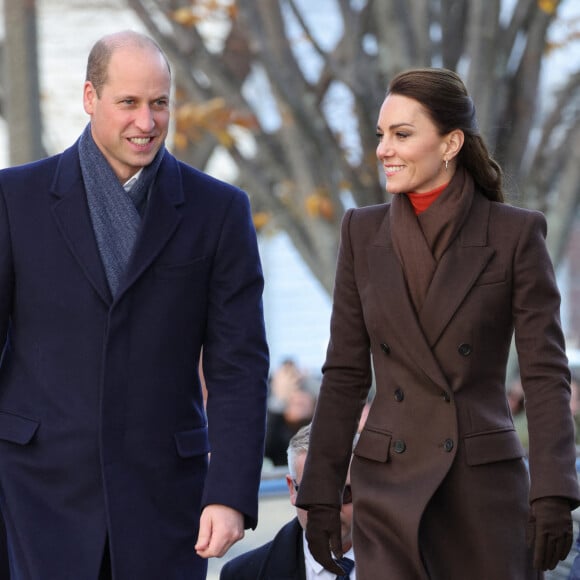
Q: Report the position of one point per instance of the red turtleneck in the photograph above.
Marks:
(421, 201)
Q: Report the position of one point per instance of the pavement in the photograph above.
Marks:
(274, 510)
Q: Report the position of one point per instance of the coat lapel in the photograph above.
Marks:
(395, 302)
(457, 271)
(161, 220)
(71, 213)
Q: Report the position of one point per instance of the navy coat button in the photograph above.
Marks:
(399, 446)
(464, 349)
(385, 348)
(399, 395)
(448, 445)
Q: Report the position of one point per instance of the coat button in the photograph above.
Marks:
(464, 349)
(399, 395)
(385, 348)
(446, 396)
(448, 445)
(399, 446)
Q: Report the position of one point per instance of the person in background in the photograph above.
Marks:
(118, 264)
(429, 289)
(291, 404)
(286, 379)
(287, 555)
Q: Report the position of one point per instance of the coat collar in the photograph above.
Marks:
(456, 274)
(160, 221)
(457, 271)
(286, 558)
(71, 213)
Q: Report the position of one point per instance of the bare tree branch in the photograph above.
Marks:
(308, 112)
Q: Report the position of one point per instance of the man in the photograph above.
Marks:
(118, 264)
(4, 572)
(287, 556)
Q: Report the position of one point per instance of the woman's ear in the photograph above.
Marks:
(454, 141)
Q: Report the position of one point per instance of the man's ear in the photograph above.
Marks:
(291, 490)
(89, 97)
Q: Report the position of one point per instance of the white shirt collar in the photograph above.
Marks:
(131, 181)
(315, 571)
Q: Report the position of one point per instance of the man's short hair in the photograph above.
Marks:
(102, 51)
(298, 445)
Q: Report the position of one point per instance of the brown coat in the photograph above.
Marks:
(440, 487)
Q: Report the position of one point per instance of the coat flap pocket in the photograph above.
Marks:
(374, 445)
(17, 429)
(493, 446)
(180, 270)
(491, 277)
(192, 443)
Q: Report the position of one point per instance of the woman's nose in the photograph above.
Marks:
(384, 149)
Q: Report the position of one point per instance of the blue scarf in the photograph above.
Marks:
(114, 214)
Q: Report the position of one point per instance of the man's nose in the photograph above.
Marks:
(145, 120)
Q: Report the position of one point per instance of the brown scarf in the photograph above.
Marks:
(420, 241)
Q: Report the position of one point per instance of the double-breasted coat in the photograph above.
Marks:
(103, 431)
(440, 487)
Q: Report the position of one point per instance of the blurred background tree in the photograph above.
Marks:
(295, 106)
(19, 87)
(288, 93)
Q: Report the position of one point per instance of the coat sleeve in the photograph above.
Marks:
(235, 366)
(543, 366)
(6, 271)
(345, 385)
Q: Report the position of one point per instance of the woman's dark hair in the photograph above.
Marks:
(445, 98)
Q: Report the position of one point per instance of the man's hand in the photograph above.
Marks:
(549, 531)
(219, 528)
(323, 533)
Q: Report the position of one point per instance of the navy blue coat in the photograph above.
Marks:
(280, 559)
(102, 424)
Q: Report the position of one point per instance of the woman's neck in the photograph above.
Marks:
(422, 201)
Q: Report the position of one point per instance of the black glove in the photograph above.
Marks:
(549, 531)
(323, 533)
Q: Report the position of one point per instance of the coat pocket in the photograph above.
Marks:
(373, 445)
(192, 443)
(491, 277)
(183, 270)
(17, 429)
(493, 446)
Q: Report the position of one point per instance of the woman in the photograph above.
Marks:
(430, 288)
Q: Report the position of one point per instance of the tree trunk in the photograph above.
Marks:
(22, 95)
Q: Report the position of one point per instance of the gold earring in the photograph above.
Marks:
(446, 164)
